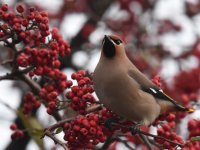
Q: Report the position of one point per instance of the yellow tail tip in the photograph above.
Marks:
(191, 110)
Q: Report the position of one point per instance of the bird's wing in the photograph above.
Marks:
(159, 94)
(148, 86)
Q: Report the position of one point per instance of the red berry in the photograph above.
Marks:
(194, 96)
(86, 123)
(192, 124)
(185, 99)
(52, 105)
(13, 126)
(82, 72)
(49, 111)
(75, 89)
(37, 104)
(75, 99)
(93, 123)
(84, 131)
(81, 82)
(166, 127)
(99, 134)
(160, 131)
(76, 128)
(4, 7)
(19, 133)
(1, 34)
(74, 76)
(69, 83)
(170, 117)
(69, 95)
(22, 35)
(92, 131)
(56, 64)
(20, 8)
(67, 126)
(32, 9)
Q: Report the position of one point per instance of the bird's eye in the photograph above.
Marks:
(116, 41)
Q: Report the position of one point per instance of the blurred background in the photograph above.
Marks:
(161, 37)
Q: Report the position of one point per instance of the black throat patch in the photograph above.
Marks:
(108, 48)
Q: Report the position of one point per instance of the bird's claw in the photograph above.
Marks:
(135, 128)
(109, 122)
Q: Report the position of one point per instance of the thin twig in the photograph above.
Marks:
(6, 61)
(8, 106)
(5, 38)
(149, 134)
(56, 140)
(33, 85)
(110, 140)
(15, 75)
(4, 30)
(146, 141)
(125, 142)
(58, 124)
(156, 144)
(160, 137)
(49, 132)
(94, 108)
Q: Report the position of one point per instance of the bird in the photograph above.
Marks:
(125, 90)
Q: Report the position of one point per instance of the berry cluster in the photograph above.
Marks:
(30, 102)
(185, 83)
(17, 132)
(194, 128)
(39, 51)
(81, 95)
(30, 27)
(84, 132)
(192, 146)
(167, 130)
(50, 92)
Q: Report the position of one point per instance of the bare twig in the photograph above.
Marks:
(160, 137)
(5, 38)
(149, 134)
(125, 142)
(94, 108)
(33, 85)
(15, 75)
(8, 106)
(156, 144)
(56, 140)
(6, 61)
(145, 140)
(4, 30)
(7, 77)
(110, 140)
(58, 124)
(49, 132)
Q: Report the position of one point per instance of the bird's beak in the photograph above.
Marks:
(108, 46)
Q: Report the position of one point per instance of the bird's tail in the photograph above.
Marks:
(181, 108)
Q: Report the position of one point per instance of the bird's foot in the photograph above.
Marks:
(109, 122)
(135, 128)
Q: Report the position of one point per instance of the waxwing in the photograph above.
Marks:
(125, 90)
